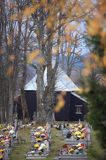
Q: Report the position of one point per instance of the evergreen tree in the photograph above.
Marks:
(96, 80)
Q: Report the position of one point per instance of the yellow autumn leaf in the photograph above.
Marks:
(32, 56)
(55, 50)
(76, 10)
(103, 35)
(43, 2)
(71, 27)
(68, 50)
(80, 91)
(94, 66)
(103, 7)
(87, 5)
(93, 28)
(41, 60)
(60, 101)
(62, 4)
(83, 90)
(68, 38)
(94, 57)
(56, 109)
(33, 1)
(86, 71)
(104, 60)
(59, 97)
(28, 11)
(14, 17)
(50, 22)
(87, 89)
(61, 104)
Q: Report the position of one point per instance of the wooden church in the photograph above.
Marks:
(75, 106)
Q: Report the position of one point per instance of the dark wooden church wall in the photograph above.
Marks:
(64, 114)
(68, 113)
(31, 102)
(73, 102)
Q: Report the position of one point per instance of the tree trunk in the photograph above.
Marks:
(41, 114)
(11, 105)
(24, 105)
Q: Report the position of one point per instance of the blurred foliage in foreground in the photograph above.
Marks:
(95, 81)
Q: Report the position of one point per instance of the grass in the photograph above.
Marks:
(19, 151)
(56, 142)
(95, 151)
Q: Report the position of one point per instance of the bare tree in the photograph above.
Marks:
(71, 51)
(14, 41)
(39, 24)
(49, 18)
